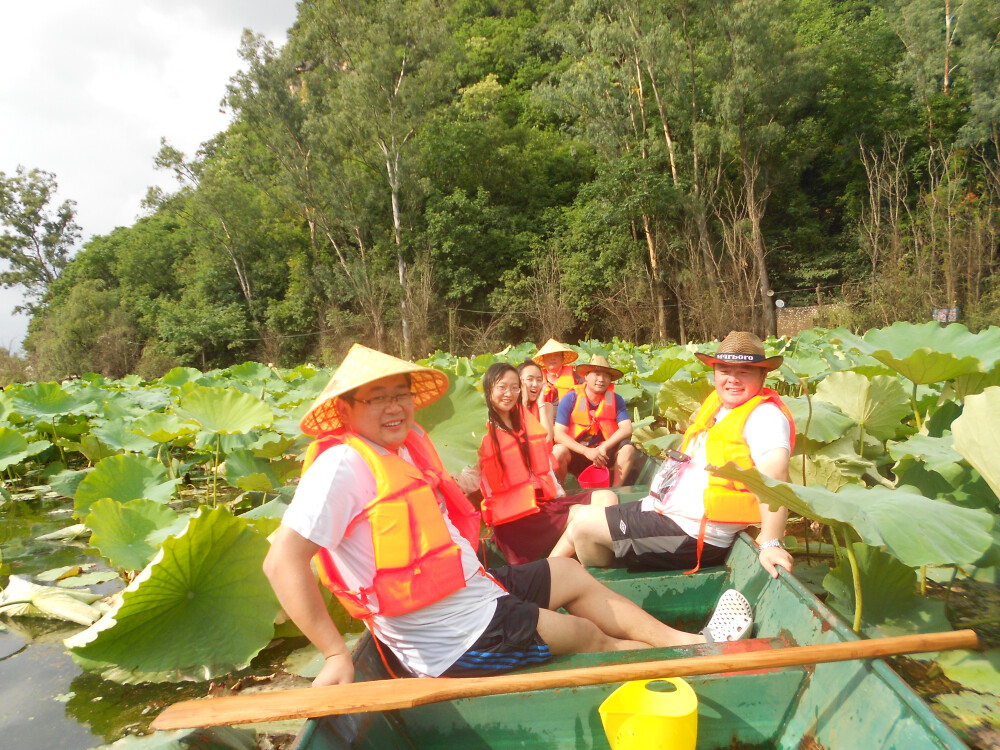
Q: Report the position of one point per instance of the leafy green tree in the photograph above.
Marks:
(38, 237)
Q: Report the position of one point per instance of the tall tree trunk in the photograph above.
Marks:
(755, 199)
(654, 264)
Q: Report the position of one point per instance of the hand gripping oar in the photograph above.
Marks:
(386, 695)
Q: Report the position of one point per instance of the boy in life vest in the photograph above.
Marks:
(593, 426)
(394, 538)
(691, 518)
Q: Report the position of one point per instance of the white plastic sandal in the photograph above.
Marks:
(732, 619)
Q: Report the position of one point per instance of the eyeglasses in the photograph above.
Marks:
(512, 390)
(382, 402)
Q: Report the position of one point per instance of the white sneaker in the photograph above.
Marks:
(732, 619)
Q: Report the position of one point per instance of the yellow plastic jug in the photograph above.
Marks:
(651, 715)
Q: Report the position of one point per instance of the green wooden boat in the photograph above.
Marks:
(836, 705)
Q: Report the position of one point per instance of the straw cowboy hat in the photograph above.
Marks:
(361, 366)
(553, 347)
(742, 348)
(597, 362)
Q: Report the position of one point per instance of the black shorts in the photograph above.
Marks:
(511, 639)
(647, 540)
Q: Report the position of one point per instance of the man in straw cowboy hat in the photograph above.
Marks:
(691, 518)
(394, 538)
(592, 426)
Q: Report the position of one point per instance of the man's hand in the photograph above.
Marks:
(338, 670)
(597, 456)
(772, 557)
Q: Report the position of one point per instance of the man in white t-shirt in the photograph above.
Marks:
(461, 620)
(691, 518)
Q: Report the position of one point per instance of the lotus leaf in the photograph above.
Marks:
(956, 483)
(826, 422)
(972, 384)
(89, 446)
(75, 531)
(253, 372)
(666, 368)
(677, 400)
(115, 435)
(180, 375)
(877, 405)
(456, 423)
(26, 599)
(45, 401)
(200, 609)
(244, 470)
(120, 530)
(225, 411)
(888, 588)
(123, 478)
(272, 445)
(57, 574)
(88, 579)
(927, 352)
(162, 428)
(14, 448)
(977, 434)
(975, 671)
(629, 392)
(971, 709)
(916, 530)
(938, 454)
(151, 398)
(66, 481)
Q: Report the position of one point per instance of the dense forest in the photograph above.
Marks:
(461, 174)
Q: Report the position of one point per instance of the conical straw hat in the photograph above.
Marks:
(361, 366)
(741, 348)
(551, 347)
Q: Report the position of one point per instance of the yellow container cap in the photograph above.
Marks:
(651, 715)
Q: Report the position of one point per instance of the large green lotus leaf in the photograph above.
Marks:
(979, 671)
(677, 400)
(941, 416)
(253, 372)
(163, 428)
(970, 709)
(202, 608)
(666, 368)
(14, 448)
(915, 529)
(977, 434)
(958, 484)
(244, 470)
(118, 437)
(827, 472)
(938, 454)
(878, 405)
(974, 383)
(45, 401)
(180, 375)
(22, 598)
(826, 422)
(152, 398)
(629, 392)
(123, 478)
(225, 410)
(120, 530)
(888, 588)
(928, 353)
(91, 447)
(272, 445)
(456, 423)
(65, 534)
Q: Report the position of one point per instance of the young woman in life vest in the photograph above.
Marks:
(523, 503)
(532, 385)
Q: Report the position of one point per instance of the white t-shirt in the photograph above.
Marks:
(335, 490)
(766, 428)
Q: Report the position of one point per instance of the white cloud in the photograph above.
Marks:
(90, 88)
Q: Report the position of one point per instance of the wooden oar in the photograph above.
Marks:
(386, 695)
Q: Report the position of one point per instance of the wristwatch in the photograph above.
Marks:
(771, 543)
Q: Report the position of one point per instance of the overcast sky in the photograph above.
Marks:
(88, 88)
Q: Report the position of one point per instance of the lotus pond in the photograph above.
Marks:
(134, 517)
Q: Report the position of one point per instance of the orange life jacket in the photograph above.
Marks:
(416, 561)
(534, 410)
(513, 490)
(728, 501)
(564, 383)
(586, 423)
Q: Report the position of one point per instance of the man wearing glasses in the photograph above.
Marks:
(395, 539)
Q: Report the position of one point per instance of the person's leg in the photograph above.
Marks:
(624, 459)
(572, 588)
(562, 455)
(587, 537)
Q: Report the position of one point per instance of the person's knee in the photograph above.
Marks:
(603, 499)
